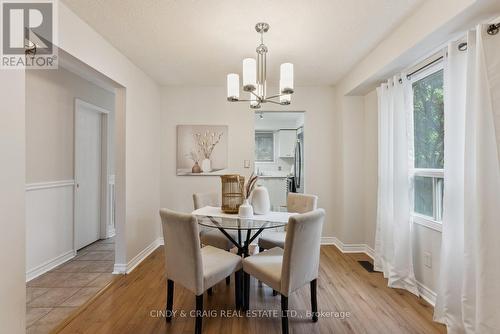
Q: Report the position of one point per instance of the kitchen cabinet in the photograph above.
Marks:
(286, 143)
(276, 186)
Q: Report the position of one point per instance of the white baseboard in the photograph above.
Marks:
(427, 294)
(348, 248)
(122, 268)
(48, 265)
(111, 232)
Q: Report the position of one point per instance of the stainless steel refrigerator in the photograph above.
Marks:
(296, 180)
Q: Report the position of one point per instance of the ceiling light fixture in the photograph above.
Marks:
(254, 78)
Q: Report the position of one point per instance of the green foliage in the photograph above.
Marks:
(428, 118)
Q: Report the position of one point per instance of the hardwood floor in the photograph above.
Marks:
(133, 303)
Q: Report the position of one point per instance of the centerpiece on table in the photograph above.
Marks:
(245, 210)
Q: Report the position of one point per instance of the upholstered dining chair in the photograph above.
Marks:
(195, 268)
(286, 270)
(299, 203)
(212, 236)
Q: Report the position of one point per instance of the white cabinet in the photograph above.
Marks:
(276, 186)
(287, 140)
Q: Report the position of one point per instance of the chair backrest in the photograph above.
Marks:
(201, 200)
(182, 250)
(302, 248)
(301, 203)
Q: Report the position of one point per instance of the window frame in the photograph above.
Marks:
(273, 133)
(434, 173)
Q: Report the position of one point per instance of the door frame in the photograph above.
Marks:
(105, 175)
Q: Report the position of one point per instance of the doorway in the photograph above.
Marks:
(90, 173)
(279, 154)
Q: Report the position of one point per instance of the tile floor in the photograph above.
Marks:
(53, 296)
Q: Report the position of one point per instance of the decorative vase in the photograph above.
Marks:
(196, 168)
(206, 165)
(245, 210)
(232, 192)
(260, 201)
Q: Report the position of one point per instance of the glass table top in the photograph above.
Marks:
(237, 223)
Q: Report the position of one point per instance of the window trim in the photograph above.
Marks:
(427, 222)
(274, 147)
(433, 173)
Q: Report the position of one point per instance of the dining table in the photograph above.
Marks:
(248, 229)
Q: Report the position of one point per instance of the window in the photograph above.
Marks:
(428, 122)
(264, 146)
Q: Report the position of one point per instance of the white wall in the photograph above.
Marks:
(50, 104)
(12, 178)
(137, 134)
(50, 108)
(185, 105)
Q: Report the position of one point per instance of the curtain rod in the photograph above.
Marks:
(493, 29)
(435, 61)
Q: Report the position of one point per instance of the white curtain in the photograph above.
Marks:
(393, 255)
(468, 299)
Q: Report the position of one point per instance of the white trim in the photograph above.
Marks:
(85, 104)
(49, 185)
(328, 240)
(427, 222)
(427, 294)
(110, 232)
(48, 265)
(121, 268)
(370, 252)
(349, 248)
(428, 172)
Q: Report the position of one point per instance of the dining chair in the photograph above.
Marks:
(189, 265)
(299, 203)
(286, 270)
(212, 236)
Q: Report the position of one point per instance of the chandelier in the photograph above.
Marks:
(254, 78)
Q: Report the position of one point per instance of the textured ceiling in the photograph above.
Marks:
(197, 42)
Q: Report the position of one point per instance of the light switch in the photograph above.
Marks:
(247, 163)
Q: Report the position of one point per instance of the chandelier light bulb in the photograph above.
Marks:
(249, 74)
(286, 78)
(233, 87)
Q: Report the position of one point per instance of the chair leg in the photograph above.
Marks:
(246, 286)
(237, 289)
(199, 314)
(170, 300)
(210, 291)
(260, 251)
(314, 300)
(284, 314)
(228, 280)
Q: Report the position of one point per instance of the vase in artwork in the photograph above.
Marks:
(206, 165)
(260, 201)
(196, 168)
(245, 210)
